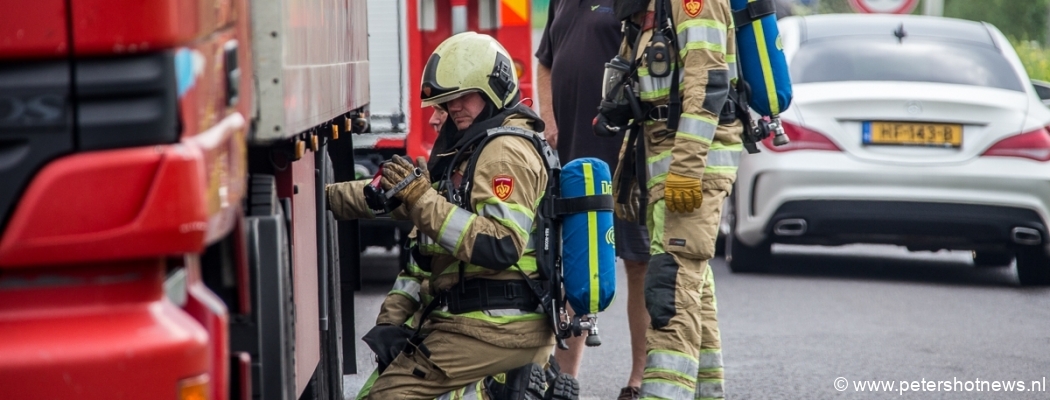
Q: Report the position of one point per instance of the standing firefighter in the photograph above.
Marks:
(483, 332)
(687, 151)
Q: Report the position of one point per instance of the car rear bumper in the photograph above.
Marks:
(919, 225)
(852, 201)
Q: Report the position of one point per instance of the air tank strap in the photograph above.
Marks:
(582, 204)
(754, 11)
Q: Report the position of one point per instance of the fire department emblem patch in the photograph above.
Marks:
(693, 7)
(503, 186)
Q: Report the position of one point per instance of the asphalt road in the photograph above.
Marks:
(861, 313)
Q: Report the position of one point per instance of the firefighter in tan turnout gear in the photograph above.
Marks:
(483, 331)
(692, 143)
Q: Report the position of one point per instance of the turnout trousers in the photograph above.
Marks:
(684, 354)
(453, 369)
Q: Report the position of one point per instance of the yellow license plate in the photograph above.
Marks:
(912, 134)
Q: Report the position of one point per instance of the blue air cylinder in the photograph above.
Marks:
(760, 52)
(588, 248)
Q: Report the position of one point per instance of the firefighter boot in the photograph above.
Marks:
(563, 387)
(528, 382)
(560, 386)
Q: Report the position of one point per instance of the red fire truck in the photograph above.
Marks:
(165, 233)
(402, 35)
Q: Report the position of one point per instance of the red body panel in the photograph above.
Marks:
(242, 366)
(417, 116)
(516, 36)
(297, 183)
(33, 29)
(220, 132)
(208, 309)
(105, 332)
(130, 26)
(390, 144)
(130, 203)
(110, 205)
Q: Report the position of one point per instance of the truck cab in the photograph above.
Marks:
(164, 230)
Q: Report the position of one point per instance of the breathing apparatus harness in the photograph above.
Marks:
(528, 294)
(548, 288)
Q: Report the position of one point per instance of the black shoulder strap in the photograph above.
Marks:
(754, 11)
(674, 101)
(624, 9)
(576, 205)
(547, 154)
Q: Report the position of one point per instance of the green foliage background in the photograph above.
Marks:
(1035, 57)
(539, 13)
(1021, 19)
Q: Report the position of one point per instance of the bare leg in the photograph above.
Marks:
(637, 318)
(569, 360)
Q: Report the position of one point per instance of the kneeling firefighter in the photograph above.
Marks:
(483, 331)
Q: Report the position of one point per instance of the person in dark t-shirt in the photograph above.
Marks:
(579, 38)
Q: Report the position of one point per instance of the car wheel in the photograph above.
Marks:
(1033, 267)
(741, 257)
(992, 258)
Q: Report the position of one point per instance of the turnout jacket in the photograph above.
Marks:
(707, 62)
(489, 240)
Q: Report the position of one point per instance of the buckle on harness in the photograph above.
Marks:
(659, 113)
(486, 294)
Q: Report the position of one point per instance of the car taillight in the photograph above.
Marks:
(1034, 145)
(801, 139)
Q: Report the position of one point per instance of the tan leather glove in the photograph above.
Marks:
(682, 193)
(628, 212)
(400, 169)
(421, 163)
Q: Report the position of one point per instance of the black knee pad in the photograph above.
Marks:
(660, 282)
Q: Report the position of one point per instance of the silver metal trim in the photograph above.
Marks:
(1026, 236)
(268, 32)
(790, 227)
(175, 287)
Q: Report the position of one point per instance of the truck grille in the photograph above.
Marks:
(36, 124)
(120, 102)
(126, 102)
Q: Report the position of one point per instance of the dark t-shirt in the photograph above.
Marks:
(580, 37)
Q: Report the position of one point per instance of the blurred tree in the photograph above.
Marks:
(833, 6)
(1024, 20)
(539, 13)
(1036, 59)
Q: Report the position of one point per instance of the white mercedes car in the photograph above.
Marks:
(907, 130)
